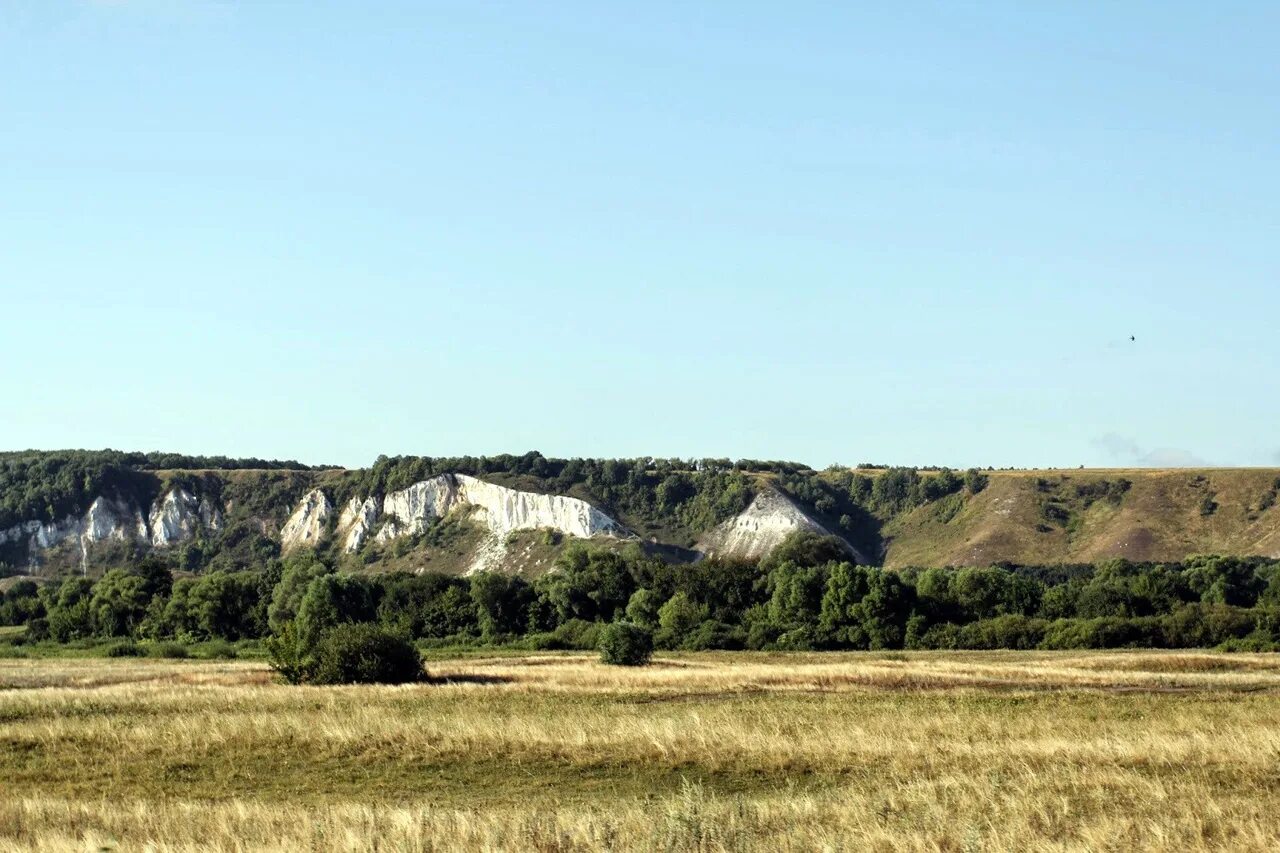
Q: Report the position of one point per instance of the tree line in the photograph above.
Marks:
(803, 596)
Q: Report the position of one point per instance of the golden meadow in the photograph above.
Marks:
(714, 751)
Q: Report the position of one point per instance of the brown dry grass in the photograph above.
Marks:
(1159, 518)
(920, 751)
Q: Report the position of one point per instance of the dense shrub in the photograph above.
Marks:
(363, 653)
(577, 634)
(625, 644)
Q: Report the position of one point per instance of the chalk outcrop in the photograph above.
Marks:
(500, 510)
(179, 515)
(356, 522)
(174, 518)
(309, 522)
(113, 519)
(761, 527)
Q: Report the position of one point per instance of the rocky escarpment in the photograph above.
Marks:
(498, 509)
(308, 523)
(175, 517)
(761, 527)
(356, 522)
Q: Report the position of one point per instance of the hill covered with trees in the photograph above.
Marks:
(201, 514)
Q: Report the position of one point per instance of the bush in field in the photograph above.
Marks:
(363, 653)
(174, 651)
(218, 649)
(349, 653)
(625, 644)
(285, 654)
(126, 649)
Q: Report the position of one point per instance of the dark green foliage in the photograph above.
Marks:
(362, 653)
(332, 600)
(590, 583)
(975, 481)
(48, 485)
(678, 618)
(21, 603)
(502, 605)
(345, 653)
(806, 549)
(68, 608)
(643, 608)
(625, 644)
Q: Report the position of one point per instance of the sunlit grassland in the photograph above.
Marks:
(929, 751)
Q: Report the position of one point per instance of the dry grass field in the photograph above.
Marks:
(917, 751)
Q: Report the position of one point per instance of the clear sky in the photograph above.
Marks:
(891, 232)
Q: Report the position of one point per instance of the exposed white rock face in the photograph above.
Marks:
(356, 521)
(113, 519)
(106, 519)
(507, 510)
(760, 528)
(306, 527)
(411, 510)
(42, 534)
(176, 517)
(498, 508)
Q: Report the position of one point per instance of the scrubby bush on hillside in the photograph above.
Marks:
(625, 644)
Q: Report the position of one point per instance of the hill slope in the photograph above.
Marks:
(1044, 517)
(88, 511)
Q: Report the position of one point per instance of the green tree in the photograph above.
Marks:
(643, 608)
(118, 603)
(677, 619)
(331, 600)
(300, 569)
(841, 613)
(501, 603)
(68, 607)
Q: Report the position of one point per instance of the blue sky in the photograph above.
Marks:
(910, 233)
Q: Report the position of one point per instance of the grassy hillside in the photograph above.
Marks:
(1069, 516)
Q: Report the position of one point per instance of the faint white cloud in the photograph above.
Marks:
(1125, 451)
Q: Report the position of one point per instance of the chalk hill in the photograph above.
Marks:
(87, 511)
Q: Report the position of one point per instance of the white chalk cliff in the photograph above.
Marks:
(499, 509)
(308, 523)
(760, 528)
(356, 522)
(175, 517)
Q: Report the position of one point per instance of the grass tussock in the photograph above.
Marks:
(927, 751)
